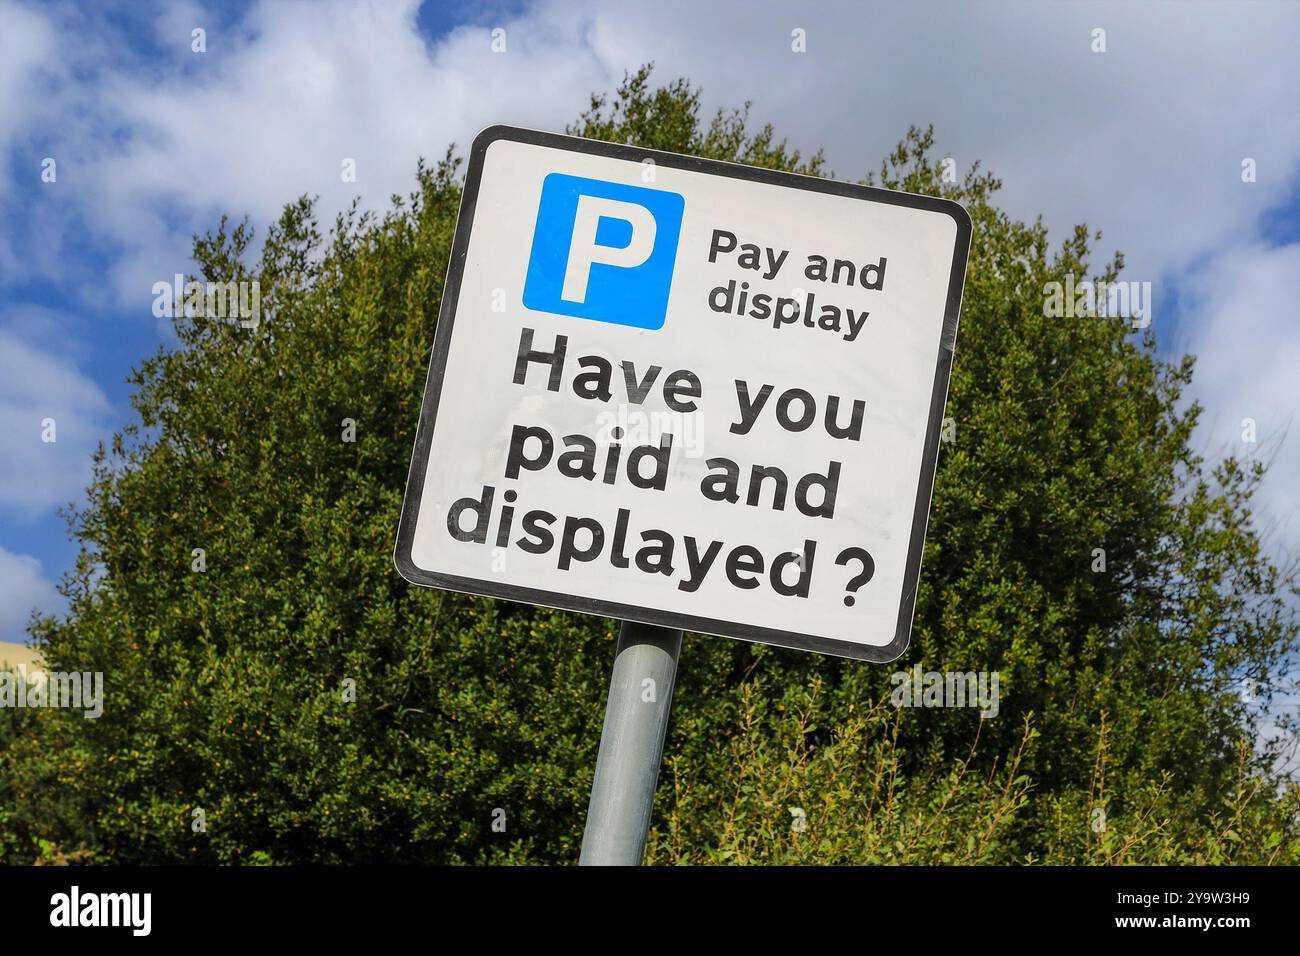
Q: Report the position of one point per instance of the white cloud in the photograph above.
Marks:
(278, 104)
(35, 384)
(1248, 351)
(22, 587)
(26, 43)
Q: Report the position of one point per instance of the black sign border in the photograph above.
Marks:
(705, 625)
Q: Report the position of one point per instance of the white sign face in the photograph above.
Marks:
(687, 393)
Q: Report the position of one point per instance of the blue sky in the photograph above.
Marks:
(154, 141)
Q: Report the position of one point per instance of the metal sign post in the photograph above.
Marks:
(631, 745)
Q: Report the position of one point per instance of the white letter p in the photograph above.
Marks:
(583, 251)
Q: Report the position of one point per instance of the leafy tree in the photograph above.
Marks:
(228, 689)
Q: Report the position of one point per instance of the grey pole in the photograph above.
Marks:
(631, 745)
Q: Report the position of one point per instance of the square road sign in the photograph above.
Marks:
(684, 392)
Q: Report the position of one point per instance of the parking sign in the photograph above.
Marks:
(688, 393)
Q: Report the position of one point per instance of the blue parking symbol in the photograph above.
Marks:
(603, 251)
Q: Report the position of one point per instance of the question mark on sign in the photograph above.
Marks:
(859, 579)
